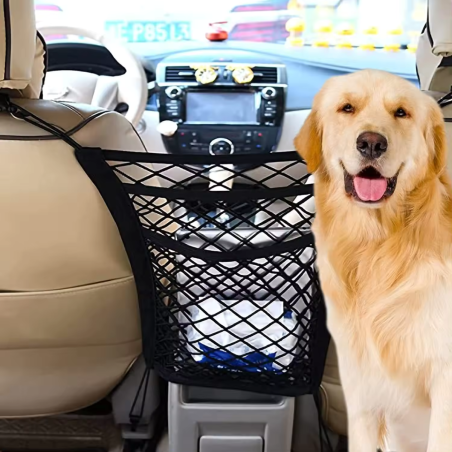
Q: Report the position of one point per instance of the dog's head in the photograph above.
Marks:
(374, 136)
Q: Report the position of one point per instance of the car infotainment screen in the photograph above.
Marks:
(221, 108)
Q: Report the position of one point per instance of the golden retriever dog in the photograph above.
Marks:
(377, 148)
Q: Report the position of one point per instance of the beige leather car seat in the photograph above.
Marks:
(434, 60)
(435, 48)
(69, 316)
(332, 406)
(333, 401)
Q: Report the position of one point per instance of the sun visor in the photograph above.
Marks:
(23, 53)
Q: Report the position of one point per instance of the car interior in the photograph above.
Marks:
(73, 374)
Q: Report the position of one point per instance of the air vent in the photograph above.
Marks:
(265, 74)
(179, 74)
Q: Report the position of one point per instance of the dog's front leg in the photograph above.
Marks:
(440, 432)
(363, 429)
(363, 421)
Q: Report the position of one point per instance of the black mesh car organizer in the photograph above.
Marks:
(228, 291)
(235, 295)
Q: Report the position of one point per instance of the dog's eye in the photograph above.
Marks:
(348, 108)
(400, 113)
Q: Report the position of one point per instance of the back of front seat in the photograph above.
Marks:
(69, 317)
(434, 60)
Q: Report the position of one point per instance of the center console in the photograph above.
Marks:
(222, 117)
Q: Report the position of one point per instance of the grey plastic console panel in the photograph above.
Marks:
(229, 443)
(216, 420)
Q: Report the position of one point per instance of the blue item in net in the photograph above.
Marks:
(252, 362)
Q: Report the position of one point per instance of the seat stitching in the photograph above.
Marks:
(61, 293)
(65, 347)
(70, 107)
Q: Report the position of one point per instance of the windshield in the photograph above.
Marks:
(146, 21)
(384, 33)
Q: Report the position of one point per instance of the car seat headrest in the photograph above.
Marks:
(434, 52)
(23, 53)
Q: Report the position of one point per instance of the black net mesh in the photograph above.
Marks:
(237, 302)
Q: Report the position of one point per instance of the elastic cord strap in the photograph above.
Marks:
(135, 419)
(21, 113)
(445, 100)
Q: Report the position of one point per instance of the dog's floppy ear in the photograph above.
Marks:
(436, 137)
(308, 142)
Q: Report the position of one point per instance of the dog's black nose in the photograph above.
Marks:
(371, 145)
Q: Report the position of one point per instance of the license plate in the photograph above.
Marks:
(139, 31)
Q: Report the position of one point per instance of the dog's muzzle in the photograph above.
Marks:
(369, 185)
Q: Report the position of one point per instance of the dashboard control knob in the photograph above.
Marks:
(269, 93)
(221, 146)
(167, 128)
(173, 92)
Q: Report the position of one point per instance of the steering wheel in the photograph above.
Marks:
(102, 91)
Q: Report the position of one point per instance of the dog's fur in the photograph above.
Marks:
(386, 268)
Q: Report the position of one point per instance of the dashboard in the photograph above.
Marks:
(222, 105)
(234, 114)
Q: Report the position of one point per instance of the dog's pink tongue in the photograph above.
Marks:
(370, 189)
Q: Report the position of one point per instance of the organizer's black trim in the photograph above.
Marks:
(210, 196)
(229, 382)
(229, 256)
(122, 211)
(427, 24)
(322, 339)
(46, 62)
(417, 68)
(8, 43)
(190, 159)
